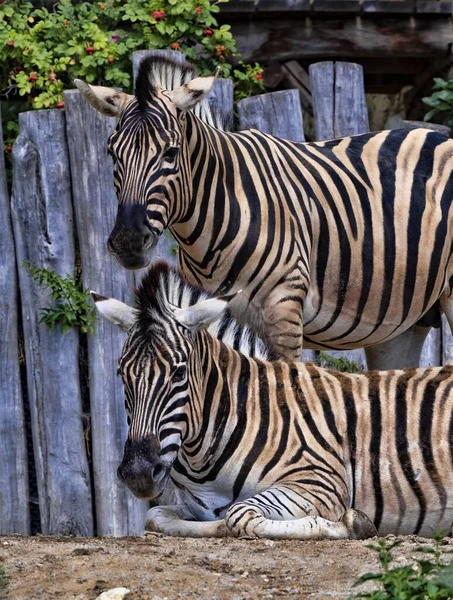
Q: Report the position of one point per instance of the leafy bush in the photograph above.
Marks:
(339, 364)
(71, 307)
(441, 101)
(42, 52)
(425, 578)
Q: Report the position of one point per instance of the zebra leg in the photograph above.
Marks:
(246, 519)
(178, 521)
(398, 353)
(282, 320)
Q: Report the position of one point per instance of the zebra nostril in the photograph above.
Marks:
(158, 471)
(146, 240)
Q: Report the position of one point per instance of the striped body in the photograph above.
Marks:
(340, 244)
(261, 446)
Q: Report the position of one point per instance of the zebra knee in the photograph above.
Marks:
(243, 520)
(154, 517)
(358, 524)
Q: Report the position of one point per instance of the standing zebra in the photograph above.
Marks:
(274, 449)
(336, 245)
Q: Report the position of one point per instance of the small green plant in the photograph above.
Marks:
(441, 101)
(425, 579)
(339, 364)
(71, 302)
(4, 578)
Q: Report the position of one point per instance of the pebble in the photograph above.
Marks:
(114, 594)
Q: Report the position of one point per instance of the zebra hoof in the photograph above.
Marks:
(358, 524)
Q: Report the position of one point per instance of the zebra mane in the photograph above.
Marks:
(156, 72)
(164, 287)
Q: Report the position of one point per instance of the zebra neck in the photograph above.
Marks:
(221, 402)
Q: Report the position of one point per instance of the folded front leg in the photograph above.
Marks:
(250, 519)
(179, 521)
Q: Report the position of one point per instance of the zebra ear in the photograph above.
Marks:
(190, 94)
(201, 315)
(106, 100)
(114, 311)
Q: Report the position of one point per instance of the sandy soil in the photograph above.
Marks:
(162, 568)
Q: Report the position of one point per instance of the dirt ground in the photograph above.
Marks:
(163, 568)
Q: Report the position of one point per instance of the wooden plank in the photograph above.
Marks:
(117, 511)
(308, 39)
(297, 77)
(388, 6)
(14, 512)
(431, 355)
(41, 209)
(350, 110)
(277, 113)
(434, 126)
(322, 91)
(447, 343)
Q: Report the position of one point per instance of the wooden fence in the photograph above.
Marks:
(63, 199)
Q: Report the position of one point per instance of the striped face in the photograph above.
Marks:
(160, 378)
(156, 392)
(150, 151)
(151, 176)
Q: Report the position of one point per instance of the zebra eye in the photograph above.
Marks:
(170, 154)
(178, 374)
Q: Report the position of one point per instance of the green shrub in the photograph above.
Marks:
(338, 364)
(42, 51)
(441, 101)
(427, 578)
(71, 307)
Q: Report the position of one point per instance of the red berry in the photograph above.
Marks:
(89, 49)
(258, 76)
(158, 14)
(111, 59)
(66, 22)
(198, 10)
(208, 32)
(174, 46)
(11, 43)
(59, 104)
(8, 148)
(33, 77)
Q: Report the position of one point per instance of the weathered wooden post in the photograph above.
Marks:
(117, 511)
(41, 210)
(339, 104)
(277, 113)
(14, 511)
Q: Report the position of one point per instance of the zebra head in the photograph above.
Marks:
(158, 371)
(150, 152)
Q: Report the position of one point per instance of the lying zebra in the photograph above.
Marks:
(273, 449)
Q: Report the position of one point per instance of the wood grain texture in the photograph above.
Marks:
(350, 110)
(322, 85)
(14, 493)
(309, 38)
(42, 217)
(95, 204)
(277, 113)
